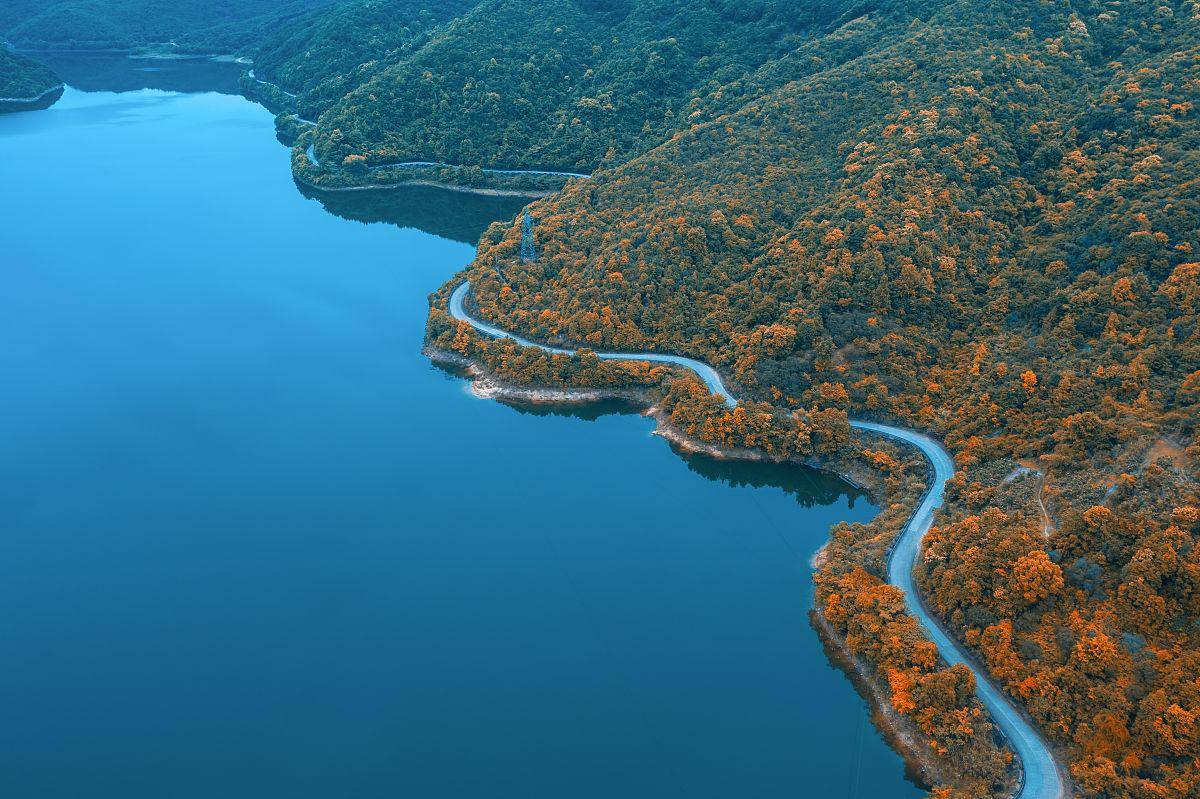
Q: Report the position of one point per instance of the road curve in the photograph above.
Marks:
(1042, 779)
(701, 369)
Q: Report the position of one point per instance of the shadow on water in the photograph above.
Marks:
(587, 411)
(116, 72)
(810, 487)
(449, 214)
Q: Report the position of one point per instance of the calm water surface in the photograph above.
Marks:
(252, 544)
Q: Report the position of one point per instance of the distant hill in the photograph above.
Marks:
(195, 26)
(329, 53)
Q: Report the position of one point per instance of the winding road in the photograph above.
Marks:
(1042, 779)
(40, 96)
(312, 158)
(275, 86)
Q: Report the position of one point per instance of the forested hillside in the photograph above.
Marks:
(562, 84)
(326, 55)
(980, 218)
(192, 26)
(22, 77)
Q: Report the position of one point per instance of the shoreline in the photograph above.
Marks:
(135, 53)
(898, 732)
(12, 105)
(249, 74)
(35, 98)
(456, 187)
(250, 86)
(486, 385)
(462, 187)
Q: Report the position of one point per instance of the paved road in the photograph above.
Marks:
(312, 158)
(56, 87)
(701, 369)
(276, 86)
(1042, 778)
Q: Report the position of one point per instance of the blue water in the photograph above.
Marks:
(252, 544)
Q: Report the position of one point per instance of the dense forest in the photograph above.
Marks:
(185, 26)
(22, 77)
(326, 55)
(561, 84)
(980, 219)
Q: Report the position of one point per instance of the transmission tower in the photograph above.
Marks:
(528, 254)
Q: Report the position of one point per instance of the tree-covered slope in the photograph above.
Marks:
(329, 53)
(22, 78)
(202, 26)
(982, 219)
(564, 84)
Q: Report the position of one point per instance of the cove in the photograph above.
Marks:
(253, 544)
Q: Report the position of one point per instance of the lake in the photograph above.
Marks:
(253, 544)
